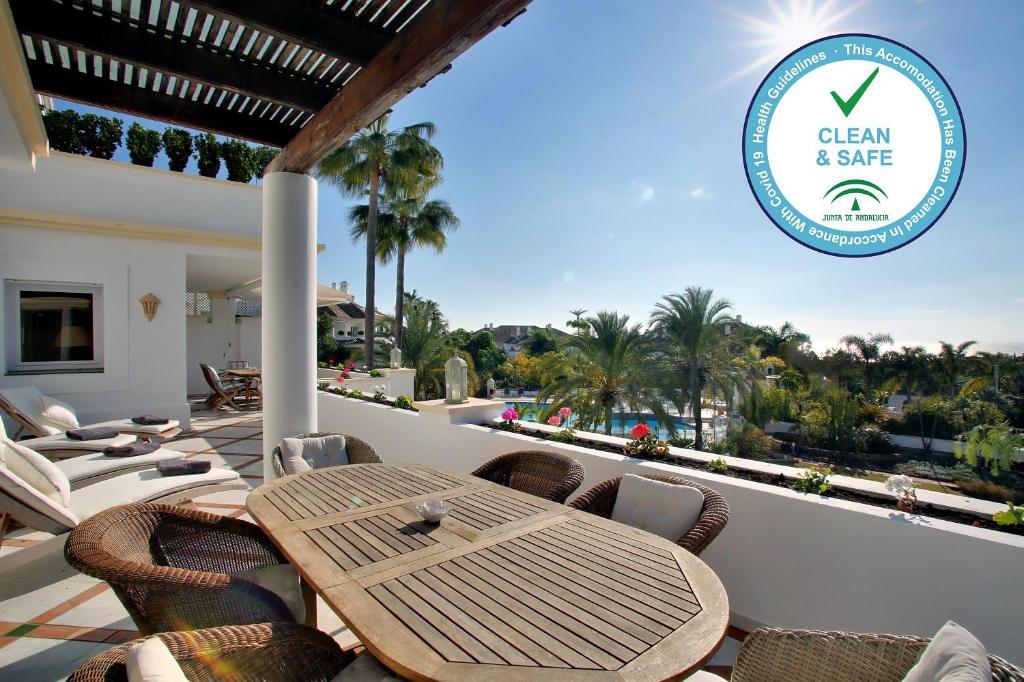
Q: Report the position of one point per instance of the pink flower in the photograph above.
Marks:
(565, 412)
(341, 378)
(641, 430)
(510, 414)
(555, 420)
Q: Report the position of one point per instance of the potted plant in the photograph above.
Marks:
(238, 159)
(645, 443)
(100, 135)
(207, 155)
(62, 128)
(178, 146)
(143, 145)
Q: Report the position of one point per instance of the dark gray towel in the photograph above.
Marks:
(132, 450)
(94, 433)
(150, 420)
(183, 467)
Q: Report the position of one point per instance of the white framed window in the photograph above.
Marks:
(53, 327)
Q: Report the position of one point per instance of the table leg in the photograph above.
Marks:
(309, 601)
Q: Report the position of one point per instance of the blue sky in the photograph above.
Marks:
(592, 152)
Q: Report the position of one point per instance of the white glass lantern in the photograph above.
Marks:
(456, 380)
(396, 358)
(490, 387)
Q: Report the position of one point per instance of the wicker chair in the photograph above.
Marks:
(544, 474)
(357, 450)
(170, 566)
(266, 652)
(600, 500)
(774, 655)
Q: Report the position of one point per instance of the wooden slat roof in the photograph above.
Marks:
(252, 69)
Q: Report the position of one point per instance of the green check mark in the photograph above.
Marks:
(846, 106)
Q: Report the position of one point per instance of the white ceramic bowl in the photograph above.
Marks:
(433, 511)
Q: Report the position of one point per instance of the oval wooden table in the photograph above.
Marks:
(508, 586)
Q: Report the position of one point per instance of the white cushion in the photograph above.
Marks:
(58, 414)
(365, 668)
(656, 506)
(954, 655)
(283, 580)
(29, 401)
(94, 465)
(146, 486)
(129, 425)
(46, 502)
(305, 454)
(152, 661)
(61, 442)
(704, 676)
(36, 471)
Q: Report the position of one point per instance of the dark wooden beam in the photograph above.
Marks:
(52, 79)
(99, 34)
(301, 22)
(440, 33)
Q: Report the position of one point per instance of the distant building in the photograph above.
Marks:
(350, 318)
(511, 338)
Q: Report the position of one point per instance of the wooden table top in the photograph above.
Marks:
(243, 371)
(507, 586)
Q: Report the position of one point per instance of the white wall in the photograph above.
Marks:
(786, 559)
(215, 345)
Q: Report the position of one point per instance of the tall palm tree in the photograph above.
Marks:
(426, 333)
(601, 365)
(952, 361)
(692, 325)
(374, 160)
(868, 349)
(579, 326)
(910, 367)
(417, 223)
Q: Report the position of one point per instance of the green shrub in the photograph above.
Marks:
(718, 466)
(947, 418)
(261, 157)
(178, 146)
(239, 160)
(830, 423)
(678, 441)
(814, 480)
(403, 402)
(871, 439)
(376, 373)
(143, 145)
(100, 135)
(990, 490)
(207, 155)
(62, 131)
(755, 444)
(355, 393)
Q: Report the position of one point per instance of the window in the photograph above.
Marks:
(53, 327)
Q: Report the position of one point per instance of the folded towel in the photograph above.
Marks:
(183, 467)
(94, 433)
(131, 450)
(150, 420)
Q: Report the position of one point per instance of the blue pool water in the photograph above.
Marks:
(621, 426)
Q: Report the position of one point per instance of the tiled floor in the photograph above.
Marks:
(52, 617)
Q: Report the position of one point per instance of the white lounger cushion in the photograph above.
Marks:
(29, 402)
(129, 425)
(141, 486)
(305, 454)
(28, 477)
(57, 414)
(656, 506)
(98, 465)
(61, 442)
(152, 661)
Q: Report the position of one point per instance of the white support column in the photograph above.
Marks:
(289, 309)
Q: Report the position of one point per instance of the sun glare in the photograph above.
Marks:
(785, 28)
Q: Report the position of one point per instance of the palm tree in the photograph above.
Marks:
(407, 221)
(910, 367)
(579, 326)
(425, 342)
(868, 350)
(779, 342)
(693, 327)
(374, 160)
(601, 365)
(952, 360)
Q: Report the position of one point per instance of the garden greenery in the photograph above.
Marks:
(143, 145)
(178, 147)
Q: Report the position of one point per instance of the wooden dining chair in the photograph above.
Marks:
(221, 393)
(714, 514)
(544, 474)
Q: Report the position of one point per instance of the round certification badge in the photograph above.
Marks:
(854, 145)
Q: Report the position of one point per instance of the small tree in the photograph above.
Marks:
(239, 160)
(178, 145)
(261, 157)
(207, 155)
(100, 135)
(143, 145)
(62, 129)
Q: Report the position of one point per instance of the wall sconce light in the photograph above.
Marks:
(150, 303)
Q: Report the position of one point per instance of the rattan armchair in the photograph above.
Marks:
(170, 566)
(544, 474)
(774, 655)
(600, 500)
(266, 652)
(358, 451)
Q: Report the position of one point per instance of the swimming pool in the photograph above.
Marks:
(622, 425)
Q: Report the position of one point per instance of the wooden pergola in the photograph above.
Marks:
(302, 75)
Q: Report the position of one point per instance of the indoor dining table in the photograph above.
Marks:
(506, 586)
